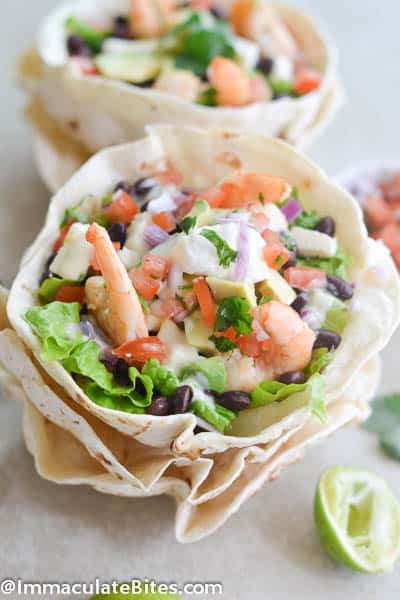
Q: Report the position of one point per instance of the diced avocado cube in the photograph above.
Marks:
(203, 213)
(223, 288)
(135, 67)
(197, 333)
(277, 287)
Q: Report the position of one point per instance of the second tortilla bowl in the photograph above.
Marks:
(99, 111)
(173, 168)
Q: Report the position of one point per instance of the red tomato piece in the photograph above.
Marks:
(165, 220)
(206, 301)
(306, 278)
(275, 252)
(69, 293)
(142, 349)
(155, 266)
(249, 345)
(306, 80)
(168, 177)
(144, 284)
(122, 209)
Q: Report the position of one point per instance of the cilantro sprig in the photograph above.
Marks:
(226, 254)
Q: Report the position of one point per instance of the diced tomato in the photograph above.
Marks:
(305, 278)
(144, 284)
(165, 220)
(155, 266)
(167, 308)
(142, 349)
(306, 80)
(62, 235)
(391, 189)
(275, 252)
(379, 213)
(390, 236)
(229, 333)
(206, 301)
(169, 177)
(87, 65)
(69, 293)
(94, 262)
(185, 207)
(214, 196)
(230, 196)
(252, 188)
(122, 209)
(249, 345)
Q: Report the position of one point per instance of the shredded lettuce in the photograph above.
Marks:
(319, 360)
(49, 288)
(212, 369)
(337, 265)
(317, 387)
(164, 380)
(102, 388)
(267, 392)
(57, 326)
(337, 317)
(218, 416)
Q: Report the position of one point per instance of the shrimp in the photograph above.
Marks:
(123, 312)
(258, 20)
(180, 83)
(244, 373)
(244, 189)
(148, 17)
(291, 341)
(230, 81)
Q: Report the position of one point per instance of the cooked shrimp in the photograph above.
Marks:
(258, 20)
(180, 83)
(291, 340)
(243, 373)
(244, 189)
(148, 17)
(230, 81)
(125, 315)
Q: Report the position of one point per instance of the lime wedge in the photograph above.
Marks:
(358, 519)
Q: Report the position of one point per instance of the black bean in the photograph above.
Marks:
(117, 233)
(300, 302)
(144, 84)
(234, 400)
(265, 65)
(125, 186)
(77, 46)
(159, 407)
(117, 366)
(199, 429)
(179, 402)
(292, 377)
(143, 207)
(121, 27)
(218, 12)
(339, 287)
(143, 186)
(327, 225)
(327, 339)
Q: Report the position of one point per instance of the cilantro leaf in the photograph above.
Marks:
(307, 220)
(208, 97)
(75, 215)
(234, 312)
(226, 254)
(187, 224)
(223, 344)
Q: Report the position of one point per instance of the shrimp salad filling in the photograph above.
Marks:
(163, 300)
(198, 50)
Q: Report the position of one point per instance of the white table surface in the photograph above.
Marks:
(270, 549)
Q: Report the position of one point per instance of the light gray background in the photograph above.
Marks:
(270, 549)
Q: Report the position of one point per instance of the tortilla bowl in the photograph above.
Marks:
(100, 112)
(204, 158)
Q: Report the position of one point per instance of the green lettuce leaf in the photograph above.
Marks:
(337, 265)
(49, 288)
(164, 380)
(76, 215)
(317, 403)
(218, 416)
(57, 326)
(93, 38)
(307, 220)
(337, 317)
(213, 369)
(267, 392)
(319, 360)
(85, 360)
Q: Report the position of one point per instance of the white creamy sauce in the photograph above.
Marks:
(320, 303)
(74, 257)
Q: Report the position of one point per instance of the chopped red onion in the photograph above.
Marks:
(175, 277)
(154, 235)
(291, 210)
(181, 316)
(242, 261)
(90, 329)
